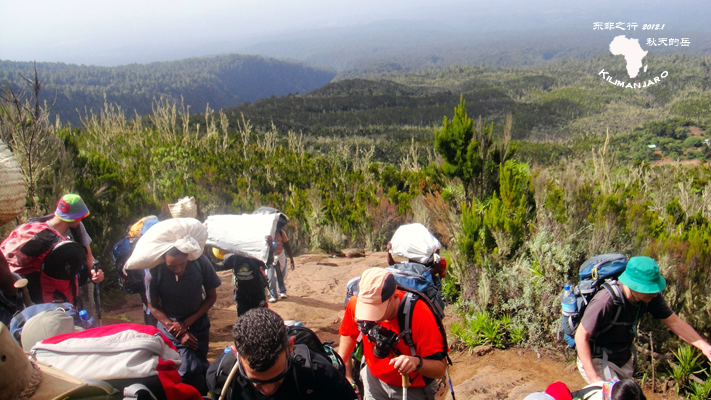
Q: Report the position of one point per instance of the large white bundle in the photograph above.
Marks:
(184, 208)
(185, 234)
(242, 234)
(414, 242)
(13, 189)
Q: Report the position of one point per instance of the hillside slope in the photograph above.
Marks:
(220, 81)
(555, 100)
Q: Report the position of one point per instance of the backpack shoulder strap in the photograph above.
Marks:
(218, 375)
(615, 291)
(618, 300)
(404, 318)
(585, 393)
(159, 275)
(199, 265)
(303, 363)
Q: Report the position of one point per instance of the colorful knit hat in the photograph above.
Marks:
(71, 208)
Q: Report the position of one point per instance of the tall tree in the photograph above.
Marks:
(456, 143)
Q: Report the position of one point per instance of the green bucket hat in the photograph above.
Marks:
(642, 276)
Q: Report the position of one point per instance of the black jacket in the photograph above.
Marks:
(314, 380)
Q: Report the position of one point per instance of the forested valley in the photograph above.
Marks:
(217, 82)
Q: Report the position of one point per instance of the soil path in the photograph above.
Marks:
(316, 292)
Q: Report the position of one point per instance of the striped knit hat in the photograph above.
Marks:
(71, 208)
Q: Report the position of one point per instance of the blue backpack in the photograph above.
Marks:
(596, 273)
(418, 277)
(130, 282)
(19, 320)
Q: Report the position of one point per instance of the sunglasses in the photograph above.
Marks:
(254, 381)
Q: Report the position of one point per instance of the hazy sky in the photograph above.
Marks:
(45, 29)
(108, 33)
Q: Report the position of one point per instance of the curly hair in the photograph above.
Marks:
(260, 336)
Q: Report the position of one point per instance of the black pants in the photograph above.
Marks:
(248, 301)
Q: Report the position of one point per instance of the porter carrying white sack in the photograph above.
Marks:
(184, 208)
(185, 234)
(414, 242)
(242, 234)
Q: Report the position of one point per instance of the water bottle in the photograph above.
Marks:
(568, 301)
(86, 322)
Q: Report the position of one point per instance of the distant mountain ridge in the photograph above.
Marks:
(557, 100)
(220, 81)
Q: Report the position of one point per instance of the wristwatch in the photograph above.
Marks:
(420, 364)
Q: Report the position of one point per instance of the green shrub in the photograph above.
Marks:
(688, 362)
(693, 141)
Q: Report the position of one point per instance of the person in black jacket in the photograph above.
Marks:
(271, 366)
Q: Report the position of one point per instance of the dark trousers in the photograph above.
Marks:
(248, 301)
(195, 364)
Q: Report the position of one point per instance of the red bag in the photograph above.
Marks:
(27, 246)
(125, 353)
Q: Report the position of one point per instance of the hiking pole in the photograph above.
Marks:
(97, 294)
(405, 385)
(230, 377)
(451, 388)
(23, 295)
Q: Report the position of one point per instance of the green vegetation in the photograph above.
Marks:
(555, 107)
(219, 82)
(355, 159)
(689, 362)
(480, 329)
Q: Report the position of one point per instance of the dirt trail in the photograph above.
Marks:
(316, 292)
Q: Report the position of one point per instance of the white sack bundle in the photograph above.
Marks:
(242, 234)
(185, 234)
(414, 242)
(13, 190)
(184, 208)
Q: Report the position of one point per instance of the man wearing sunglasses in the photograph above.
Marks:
(374, 313)
(271, 366)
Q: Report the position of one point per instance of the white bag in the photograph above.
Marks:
(414, 242)
(13, 189)
(185, 234)
(242, 234)
(110, 352)
(184, 208)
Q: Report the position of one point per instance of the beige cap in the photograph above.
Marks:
(47, 324)
(376, 287)
(36, 381)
